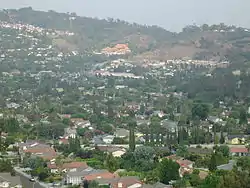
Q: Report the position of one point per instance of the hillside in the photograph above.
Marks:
(205, 42)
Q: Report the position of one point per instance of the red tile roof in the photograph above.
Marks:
(104, 175)
(238, 150)
(184, 163)
(70, 165)
(75, 165)
(45, 153)
(125, 182)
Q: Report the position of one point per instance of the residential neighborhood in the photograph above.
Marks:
(76, 115)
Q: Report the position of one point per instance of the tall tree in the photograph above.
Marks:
(243, 116)
(213, 163)
(111, 163)
(222, 138)
(132, 126)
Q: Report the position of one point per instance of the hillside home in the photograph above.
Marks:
(121, 133)
(37, 149)
(76, 177)
(108, 139)
(239, 151)
(236, 139)
(67, 167)
(186, 166)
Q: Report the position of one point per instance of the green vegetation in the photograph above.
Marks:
(57, 89)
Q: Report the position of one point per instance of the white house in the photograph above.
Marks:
(108, 139)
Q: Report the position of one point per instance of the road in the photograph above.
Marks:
(25, 180)
(14, 180)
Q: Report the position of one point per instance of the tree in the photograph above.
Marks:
(182, 151)
(230, 124)
(81, 131)
(222, 139)
(216, 139)
(59, 161)
(211, 181)
(43, 173)
(223, 149)
(213, 163)
(248, 148)
(1, 130)
(111, 163)
(11, 125)
(168, 170)
(200, 110)
(33, 162)
(5, 165)
(194, 178)
(144, 152)
(93, 184)
(243, 116)
(132, 126)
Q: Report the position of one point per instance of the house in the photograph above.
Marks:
(186, 166)
(119, 153)
(236, 139)
(98, 175)
(83, 124)
(185, 163)
(239, 151)
(80, 175)
(108, 139)
(97, 140)
(169, 125)
(76, 177)
(127, 182)
(110, 148)
(70, 133)
(37, 149)
(159, 113)
(66, 167)
(157, 185)
(214, 119)
(121, 133)
(13, 105)
(75, 121)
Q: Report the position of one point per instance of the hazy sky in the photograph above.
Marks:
(170, 14)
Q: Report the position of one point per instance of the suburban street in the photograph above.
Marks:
(14, 180)
(25, 180)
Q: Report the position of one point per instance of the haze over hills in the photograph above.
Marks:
(172, 15)
(214, 42)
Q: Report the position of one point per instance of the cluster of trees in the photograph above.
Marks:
(37, 165)
(6, 166)
(238, 177)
